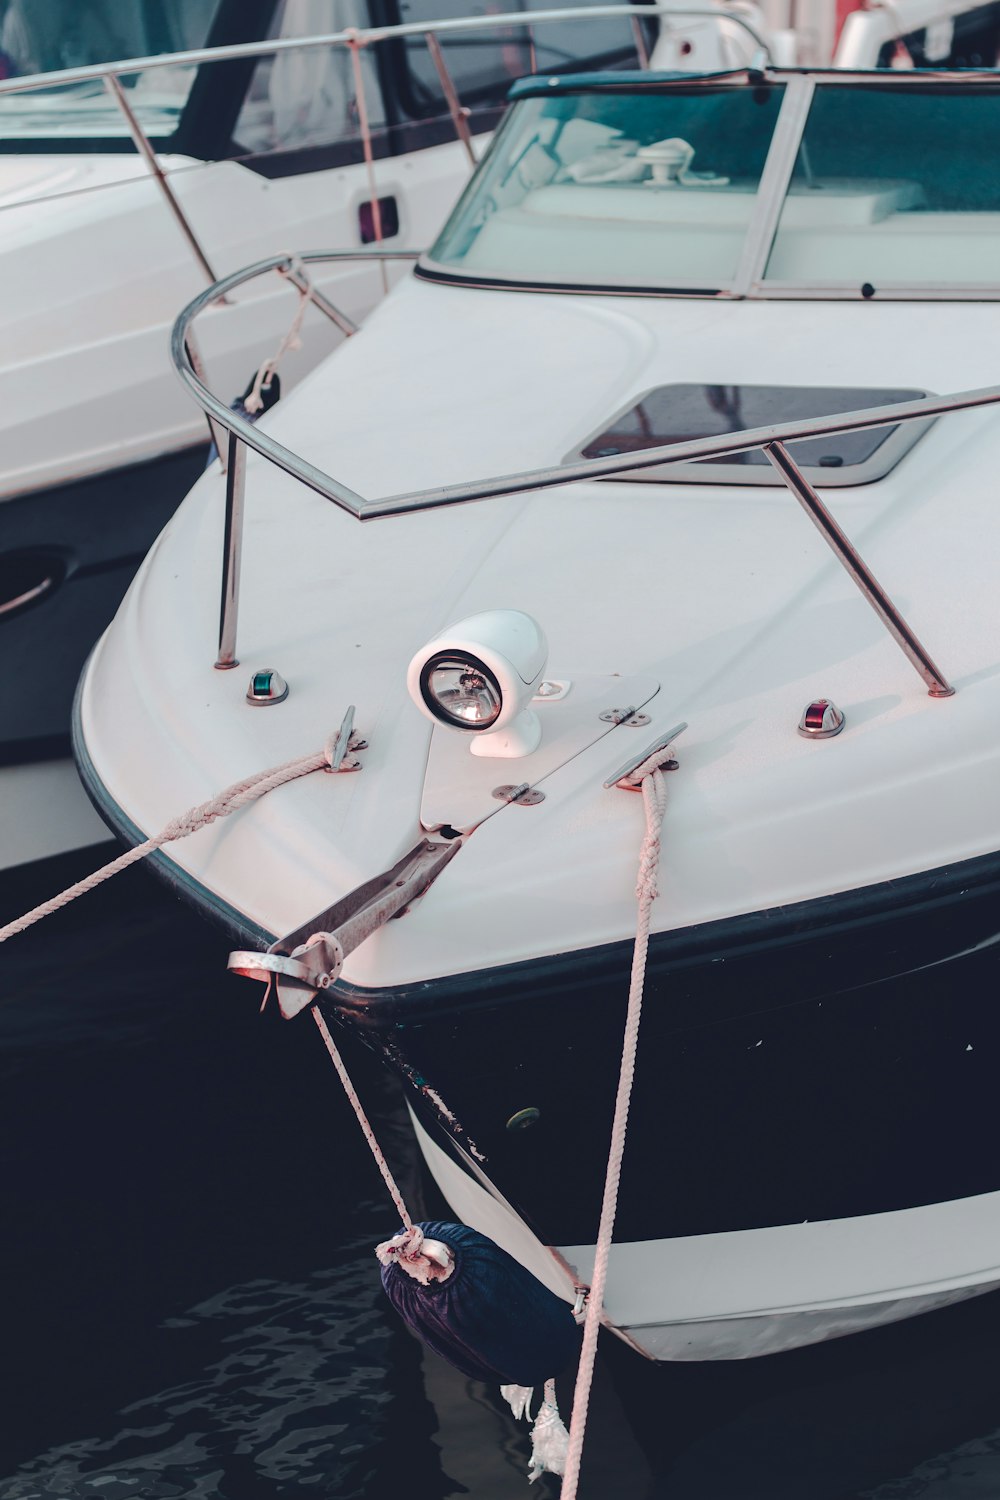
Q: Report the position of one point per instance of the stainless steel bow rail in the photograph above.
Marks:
(772, 441)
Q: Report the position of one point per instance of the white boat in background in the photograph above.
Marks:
(667, 312)
(232, 131)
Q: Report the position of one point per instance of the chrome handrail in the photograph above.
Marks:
(238, 426)
(369, 36)
(242, 434)
(771, 440)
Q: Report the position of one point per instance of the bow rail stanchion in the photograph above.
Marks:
(354, 44)
(857, 569)
(232, 549)
(641, 49)
(143, 146)
(459, 115)
(295, 272)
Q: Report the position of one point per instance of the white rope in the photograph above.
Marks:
(229, 801)
(255, 401)
(649, 776)
(356, 1105)
(549, 1438)
(407, 1250)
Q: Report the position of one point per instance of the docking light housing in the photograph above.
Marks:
(479, 676)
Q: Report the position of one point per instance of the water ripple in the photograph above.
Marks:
(298, 1400)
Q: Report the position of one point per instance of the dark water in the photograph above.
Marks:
(191, 1306)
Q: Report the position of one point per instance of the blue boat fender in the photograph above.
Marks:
(480, 1310)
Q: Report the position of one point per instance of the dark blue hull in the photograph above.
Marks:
(823, 1061)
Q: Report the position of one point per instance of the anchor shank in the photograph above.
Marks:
(309, 959)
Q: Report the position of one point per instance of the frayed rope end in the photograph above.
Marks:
(549, 1438)
(549, 1442)
(424, 1260)
(518, 1398)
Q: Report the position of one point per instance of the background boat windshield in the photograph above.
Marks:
(289, 112)
(893, 185)
(616, 189)
(478, 61)
(306, 100)
(44, 38)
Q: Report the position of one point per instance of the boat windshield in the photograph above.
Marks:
(45, 38)
(894, 185)
(644, 188)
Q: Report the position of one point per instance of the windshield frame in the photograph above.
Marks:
(749, 279)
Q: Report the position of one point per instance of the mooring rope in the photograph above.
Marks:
(424, 1260)
(358, 1107)
(228, 801)
(649, 778)
(254, 401)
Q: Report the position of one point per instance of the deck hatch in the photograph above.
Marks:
(678, 413)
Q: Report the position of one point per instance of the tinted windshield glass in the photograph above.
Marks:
(44, 36)
(643, 189)
(894, 185)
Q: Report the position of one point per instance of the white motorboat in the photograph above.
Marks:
(668, 312)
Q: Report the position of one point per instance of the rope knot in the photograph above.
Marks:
(425, 1260)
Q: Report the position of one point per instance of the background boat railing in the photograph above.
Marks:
(110, 75)
(772, 440)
